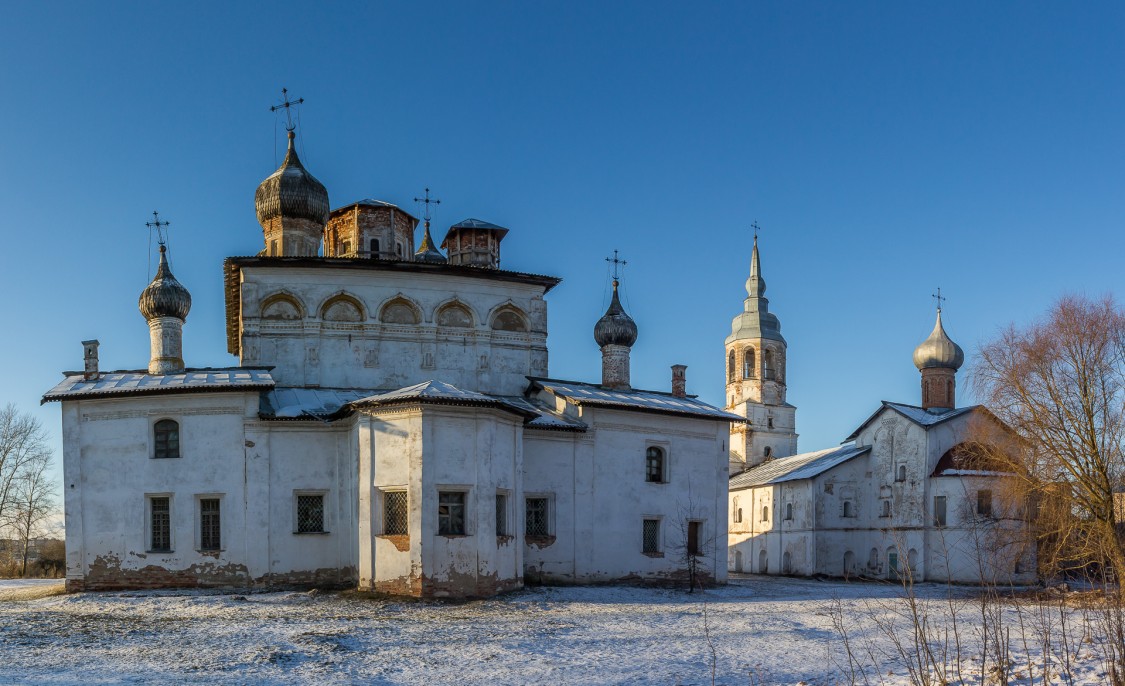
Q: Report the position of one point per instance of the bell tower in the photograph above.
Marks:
(755, 379)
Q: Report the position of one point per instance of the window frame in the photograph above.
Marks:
(788, 512)
(900, 473)
(325, 524)
(503, 504)
(394, 491)
(150, 529)
(765, 513)
(199, 528)
(694, 531)
(662, 449)
(943, 520)
(988, 510)
(548, 513)
(847, 509)
(463, 492)
(659, 551)
(155, 443)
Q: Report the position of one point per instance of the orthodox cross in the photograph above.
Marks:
(427, 201)
(287, 104)
(159, 226)
(938, 297)
(756, 229)
(616, 263)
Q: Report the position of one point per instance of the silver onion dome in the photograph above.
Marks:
(292, 192)
(615, 327)
(938, 350)
(165, 296)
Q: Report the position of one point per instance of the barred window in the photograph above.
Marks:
(651, 536)
(166, 439)
(395, 513)
(536, 523)
(310, 514)
(502, 514)
(451, 513)
(209, 526)
(161, 524)
(654, 465)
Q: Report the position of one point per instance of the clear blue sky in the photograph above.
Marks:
(886, 149)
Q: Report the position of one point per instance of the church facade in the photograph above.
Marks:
(910, 493)
(391, 425)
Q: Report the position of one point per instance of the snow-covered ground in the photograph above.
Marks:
(10, 584)
(763, 630)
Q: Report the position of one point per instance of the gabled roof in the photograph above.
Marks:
(471, 223)
(796, 467)
(440, 393)
(126, 383)
(592, 395)
(915, 414)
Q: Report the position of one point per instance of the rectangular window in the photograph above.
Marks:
(654, 465)
(536, 523)
(310, 514)
(502, 514)
(345, 248)
(694, 546)
(939, 510)
(984, 503)
(650, 543)
(161, 524)
(210, 536)
(451, 513)
(394, 513)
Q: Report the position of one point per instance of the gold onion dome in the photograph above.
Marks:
(938, 350)
(165, 296)
(292, 192)
(615, 327)
(427, 252)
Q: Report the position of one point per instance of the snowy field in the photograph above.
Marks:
(764, 631)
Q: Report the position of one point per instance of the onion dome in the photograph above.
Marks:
(938, 350)
(427, 252)
(615, 327)
(165, 296)
(292, 192)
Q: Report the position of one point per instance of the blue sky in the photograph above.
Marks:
(886, 149)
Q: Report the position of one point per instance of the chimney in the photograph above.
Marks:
(679, 380)
(90, 357)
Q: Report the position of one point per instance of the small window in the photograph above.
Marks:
(374, 248)
(901, 476)
(310, 514)
(273, 248)
(748, 364)
(873, 559)
(395, 514)
(535, 520)
(166, 439)
(694, 544)
(502, 514)
(789, 511)
(345, 248)
(398, 250)
(939, 510)
(451, 513)
(767, 452)
(848, 509)
(886, 511)
(160, 524)
(769, 422)
(650, 543)
(654, 465)
(210, 527)
(765, 513)
(736, 511)
(984, 503)
(767, 365)
(740, 514)
(730, 367)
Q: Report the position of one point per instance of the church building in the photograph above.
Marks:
(391, 425)
(909, 492)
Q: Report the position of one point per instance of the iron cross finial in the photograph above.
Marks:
(616, 263)
(158, 225)
(756, 229)
(427, 201)
(938, 297)
(287, 105)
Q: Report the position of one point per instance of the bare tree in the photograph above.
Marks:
(33, 503)
(23, 443)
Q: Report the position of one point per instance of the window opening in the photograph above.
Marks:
(939, 510)
(161, 524)
(210, 536)
(166, 439)
(730, 367)
(847, 508)
(886, 509)
(395, 513)
(310, 514)
(502, 514)
(789, 511)
(984, 503)
(748, 364)
(535, 520)
(694, 545)
(765, 513)
(901, 473)
(374, 248)
(451, 513)
(651, 536)
(654, 465)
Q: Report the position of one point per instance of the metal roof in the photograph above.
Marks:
(796, 467)
(76, 387)
(916, 414)
(637, 400)
(372, 202)
(471, 223)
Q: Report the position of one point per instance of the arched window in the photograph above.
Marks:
(767, 365)
(787, 563)
(949, 392)
(654, 465)
(730, 367)
(789, 511)
(849, 563)
(735, 511)
(748, 364)
(765, 513)
(901, 473)
(767, 452)
(892, 564)
(166, 439)
(886, 509)
(847, 508)
(763, 568)
(740, 514)
(873, 560)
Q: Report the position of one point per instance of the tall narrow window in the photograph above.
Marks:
(310, 514)
(210, 529)
(984, 503)
(502, 514)
(166, 439)
(765, 513)
(767, 365)
(451, 513)
(345, 248)
(395, 513)
(886, 509)
(939, 510)
(748, 364)
(160, 512)
(789, 511)
(654, 465)
(535, 520)
(735, 510)
(848, 508)
(901, 476)
(694, 545)
(374, 248)
(730, 367)
(650, 536)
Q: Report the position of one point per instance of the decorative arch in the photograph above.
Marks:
(508, 317)
(768, 371)
(283, 306)
(455, 314)
(763, 562)
(400, 310)
(748, 370)
(342, 307)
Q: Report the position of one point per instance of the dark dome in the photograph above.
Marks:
(615, 327)
(292, 192)
(165, 296)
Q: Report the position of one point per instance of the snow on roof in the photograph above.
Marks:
(644, 401)
(915, 414)
(440, 392)
(547, 419)
(796, 467)
(305, 403)
(75, 386)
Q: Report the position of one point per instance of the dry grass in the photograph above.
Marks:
(32, 592)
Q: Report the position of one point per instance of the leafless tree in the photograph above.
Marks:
(23, 444)
(33, 503)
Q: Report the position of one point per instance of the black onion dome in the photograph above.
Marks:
(165, 296)
(615, 327)
(292, 192)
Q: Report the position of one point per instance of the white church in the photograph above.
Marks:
(391, 425)
(910, 493)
